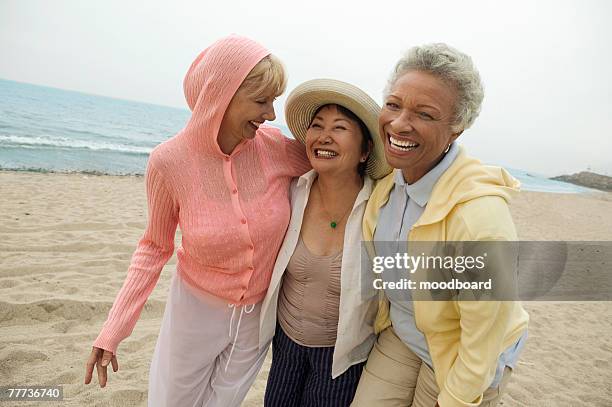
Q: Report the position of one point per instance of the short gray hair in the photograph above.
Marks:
(451, 66)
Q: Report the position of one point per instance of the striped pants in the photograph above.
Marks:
(301, 376)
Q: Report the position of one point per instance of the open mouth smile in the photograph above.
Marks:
(322, 153)
(401, 145)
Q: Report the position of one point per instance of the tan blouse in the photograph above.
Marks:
(309, 299)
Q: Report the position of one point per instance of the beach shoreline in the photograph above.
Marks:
(66, 240)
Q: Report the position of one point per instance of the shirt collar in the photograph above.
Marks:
(306, 180)
(420, 191)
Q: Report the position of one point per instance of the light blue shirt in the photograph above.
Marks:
(405, 205)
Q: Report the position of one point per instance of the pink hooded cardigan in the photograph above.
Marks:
(233, 210)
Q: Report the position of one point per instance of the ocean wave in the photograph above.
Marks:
(68, 171)
(66, 143)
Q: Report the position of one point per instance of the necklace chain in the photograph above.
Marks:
(333, 223)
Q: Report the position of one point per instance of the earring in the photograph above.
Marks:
(447, 148)
(363, 160)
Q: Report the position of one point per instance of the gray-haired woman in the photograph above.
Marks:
(446, 353)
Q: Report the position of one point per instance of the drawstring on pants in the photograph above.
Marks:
(242, 309)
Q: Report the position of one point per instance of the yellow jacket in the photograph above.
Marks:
(465, 338)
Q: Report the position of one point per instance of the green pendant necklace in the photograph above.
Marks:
(333, 223)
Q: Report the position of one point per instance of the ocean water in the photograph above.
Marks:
(47, 129)
(533, 182)
(54, 130)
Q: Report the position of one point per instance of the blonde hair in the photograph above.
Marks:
(267, 77)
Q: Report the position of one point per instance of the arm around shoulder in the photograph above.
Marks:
(295, 154)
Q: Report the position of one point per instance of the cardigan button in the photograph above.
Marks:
(243, 221)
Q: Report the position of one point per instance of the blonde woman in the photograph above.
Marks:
(224, 179)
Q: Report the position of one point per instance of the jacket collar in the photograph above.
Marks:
(466, 179)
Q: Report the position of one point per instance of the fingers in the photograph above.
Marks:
(101, 373)
(106, 358)
(102, 367)
(90, 365)
(100, 359)
(115, 363)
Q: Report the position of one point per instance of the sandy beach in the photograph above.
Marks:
(66, 242)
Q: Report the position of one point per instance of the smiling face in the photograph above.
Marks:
(416, 123)
(334, 143)
(245, 113)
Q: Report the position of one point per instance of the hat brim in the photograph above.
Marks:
(305, 99)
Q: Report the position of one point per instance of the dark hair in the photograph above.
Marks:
(366, 137)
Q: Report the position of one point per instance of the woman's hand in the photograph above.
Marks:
(100, 358)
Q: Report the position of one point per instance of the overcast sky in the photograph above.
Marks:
(546, 65)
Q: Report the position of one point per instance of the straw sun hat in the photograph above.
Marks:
(304, 101)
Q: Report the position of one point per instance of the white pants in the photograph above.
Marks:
(198, 333)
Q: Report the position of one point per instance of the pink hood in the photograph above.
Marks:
(212, 80)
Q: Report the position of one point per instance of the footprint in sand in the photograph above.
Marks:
(65, 378)
(11, 359)
(601, 363)
(9, 283)
(126, 398)
(64, 326)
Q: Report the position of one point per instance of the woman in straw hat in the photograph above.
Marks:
(225, 180)
(448, 352)
(323, 305)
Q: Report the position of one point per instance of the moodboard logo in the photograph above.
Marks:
(488, 271)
